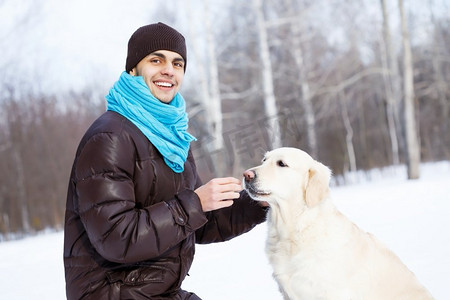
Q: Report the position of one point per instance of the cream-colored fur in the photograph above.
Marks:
(315, 251)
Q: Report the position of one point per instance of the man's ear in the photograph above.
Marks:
(317, 187)
(133, 72)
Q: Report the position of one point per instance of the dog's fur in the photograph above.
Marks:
(315, 251)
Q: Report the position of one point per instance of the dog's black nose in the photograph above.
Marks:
(249, 175)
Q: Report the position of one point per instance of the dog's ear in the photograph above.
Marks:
(317, 187)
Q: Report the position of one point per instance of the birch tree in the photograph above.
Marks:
(270, 106)
(215, 100)
(439, 74)
(412, 142)
(391, 83)
(208, 76)
(302, 76)
(201, 76)
(16, 129)
(349, 131)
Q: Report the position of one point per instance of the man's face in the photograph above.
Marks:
(163, 72)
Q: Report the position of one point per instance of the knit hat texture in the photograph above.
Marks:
(153, 37)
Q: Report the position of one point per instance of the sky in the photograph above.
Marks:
(69, 44)
(409, 216)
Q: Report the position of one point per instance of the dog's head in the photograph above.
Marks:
(288, 174)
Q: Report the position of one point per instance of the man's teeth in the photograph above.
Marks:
(164, 84)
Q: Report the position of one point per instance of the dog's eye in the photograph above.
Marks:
(281, 163)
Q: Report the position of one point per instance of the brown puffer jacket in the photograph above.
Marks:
(132, 223)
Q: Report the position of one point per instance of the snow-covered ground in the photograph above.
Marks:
(411, 217)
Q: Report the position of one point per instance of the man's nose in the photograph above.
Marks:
(167, 69)
(249, 175)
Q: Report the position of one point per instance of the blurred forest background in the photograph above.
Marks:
(357, 84)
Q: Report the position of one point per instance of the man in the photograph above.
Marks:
(135, 204)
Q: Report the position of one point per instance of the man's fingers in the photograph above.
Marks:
(225, 203)
(221, 186)
(231, 187)
(219, 193)
(229, 196)
(226, 180)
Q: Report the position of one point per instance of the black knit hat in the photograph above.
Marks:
(153, 37)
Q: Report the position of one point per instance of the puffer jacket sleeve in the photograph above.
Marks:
(118, 230)
(227, 223)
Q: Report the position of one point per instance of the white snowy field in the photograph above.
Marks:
(411, 217)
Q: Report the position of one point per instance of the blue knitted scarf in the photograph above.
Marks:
(164, 124)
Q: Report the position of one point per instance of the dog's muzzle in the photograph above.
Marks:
(249, 178)
(250, 183)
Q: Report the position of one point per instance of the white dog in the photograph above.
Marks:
(315, 251)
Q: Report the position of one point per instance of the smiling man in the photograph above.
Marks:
(135, 204)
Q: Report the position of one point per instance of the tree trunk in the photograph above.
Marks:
(270, 106)
(215, 100)
(349, 132)
(412, 142)
(441, 84)
(305, 88)
(391, 83)
(209, 87)
(200, 68)
(21, 188)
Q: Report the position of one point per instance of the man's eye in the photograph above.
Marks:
(281, 163)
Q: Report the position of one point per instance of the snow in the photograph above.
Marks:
(411, 217)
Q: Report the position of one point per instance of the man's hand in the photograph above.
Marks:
(219, 193)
